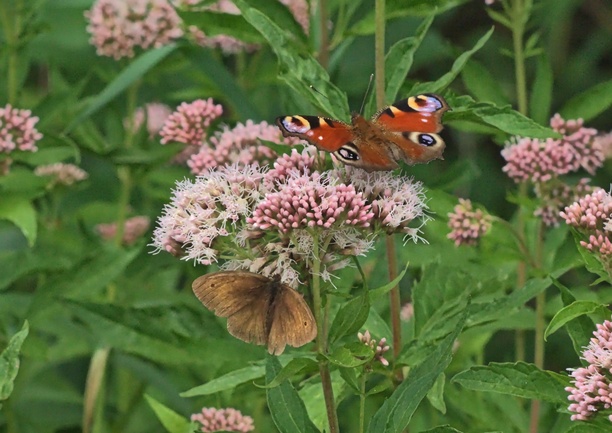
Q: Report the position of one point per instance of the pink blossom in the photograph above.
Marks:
(379, 349)
(17, 130)
(407, 311)
(230, 420)
(300, 11)
(190, 122)
(133, 229)
(155, 115)
(309, 202)
(119, 26)
(604, 141)
(592, 390)
(287, 165)
(62, 174)
(555, 195)
(243, 144)
(590, 212)
(467, 225)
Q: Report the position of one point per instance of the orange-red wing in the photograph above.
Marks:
(421, 113)
(326, 134)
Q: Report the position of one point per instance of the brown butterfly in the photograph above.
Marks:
(259, 310)
(404, 131)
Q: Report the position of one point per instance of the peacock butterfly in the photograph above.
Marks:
(404, 131)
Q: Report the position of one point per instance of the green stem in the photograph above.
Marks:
(93, 386)
(321, 342)
(379, 53)
(362, 399)
(518, 16)
(11, 22)
(324, 43)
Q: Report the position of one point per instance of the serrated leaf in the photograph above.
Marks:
(581, 328)
(589, 103)
(298, 69)
(20, 212)
(383, 290)
(482, 84)
(570, 312)
(445, 80)
(172, 421)
(505, 118)
(133, 72)
(350, 377)
(398, 60)
(286, 407)
(349, 319)
(227, 381)
(396, 412)
(351, 355)
(518, 379)
(292, 368)
(9, 361)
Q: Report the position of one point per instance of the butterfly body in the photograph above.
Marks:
(259, 310)
(405, 131)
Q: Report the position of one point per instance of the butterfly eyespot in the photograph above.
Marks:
(427, 140)
(347, 153)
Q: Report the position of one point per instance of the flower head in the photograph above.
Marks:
(154, 113)
(242, 144)
(592, 389)
(467, 225)
(117, 27)
(61, 174)
(379, 349)
(17, 130)
(230, 420)
(133, 229)
(190, 122)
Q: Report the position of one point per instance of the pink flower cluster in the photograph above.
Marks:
(467, 225)
(591, 215)
(540, 161)
(17, 130)
(311, 201)
(592, 389)
(227, 420)
(190, 122)
(242, 144)
(379, 349)
(155, 115)
(61, 174)
(117, 27)
(544, 162)
(133, 230)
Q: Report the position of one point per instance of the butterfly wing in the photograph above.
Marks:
(412, 125)
(326, 134)
(243, 297)
(291, 321)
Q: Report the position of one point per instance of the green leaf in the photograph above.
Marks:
(214, 23)
(445, 80)
(351, 355)
(542, 90)
(570, 312)
(20, 212)
(403, 8)
(442, 429)
(9, 362)
(377, 325)
(172, 421)
(292, 368)
(136, 70)
(482, 84)
(591, 262)
(435, 396)
(512, 302)
(381, 291)
(589, 103)
(227, 381)
(350, 377)
(398, 60)
(581, 328)
(286, 407)
(507, 120)
(396, 412)
(519, 379)
(298, 69)
(351, 316)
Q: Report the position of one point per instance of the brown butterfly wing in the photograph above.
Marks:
(326, 134)
(421, 113)
(291, 321)
(227, 292)
(250, 324)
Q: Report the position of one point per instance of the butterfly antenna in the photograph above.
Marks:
(366, 94)
(314, 89)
